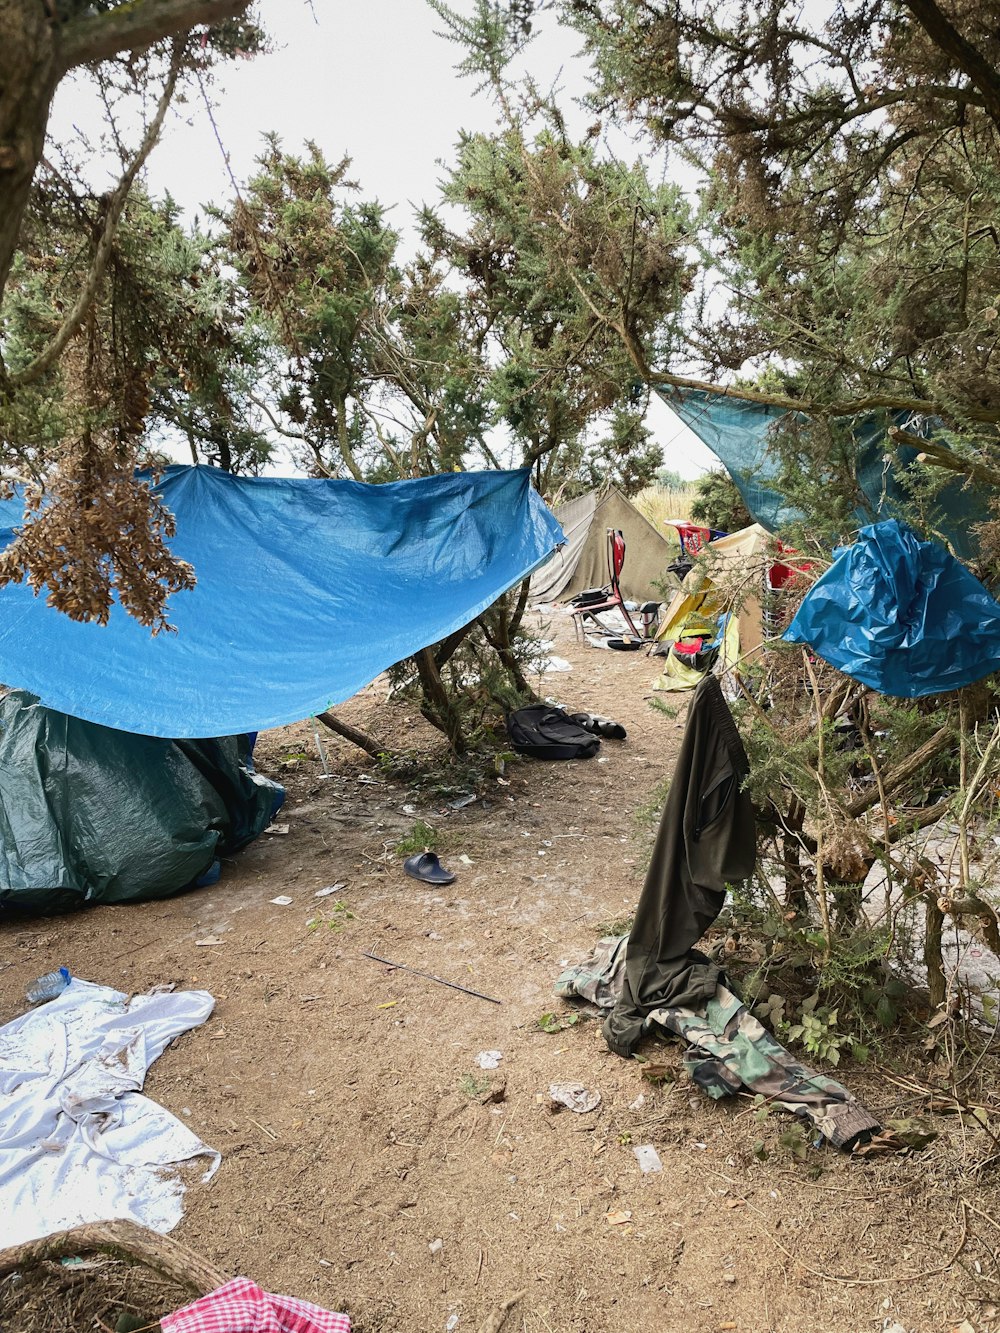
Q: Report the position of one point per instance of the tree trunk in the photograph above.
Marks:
(352, 734)
(933, 959)
(28, 77)
(437, 707)
(35, 52)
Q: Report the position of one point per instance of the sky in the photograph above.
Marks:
(369, 78)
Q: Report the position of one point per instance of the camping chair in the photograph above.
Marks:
(693, 539)
(614, 601)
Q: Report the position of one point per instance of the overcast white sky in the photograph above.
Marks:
(370, 78)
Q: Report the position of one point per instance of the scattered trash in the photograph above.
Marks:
(409, 810)
(462, 801)
(282, 900)
(619, 1217)
(278, 829)
(452, 1323)
(436, 1246)
(209, 942)
(429, 976)
(466, 860)
(638, 1104)
(47, 987)
(489, 1059)
(648, 1159)
(575, 1096)
(333, 888)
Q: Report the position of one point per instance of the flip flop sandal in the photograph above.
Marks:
(599, 726)
(613, 731)
(428, 868)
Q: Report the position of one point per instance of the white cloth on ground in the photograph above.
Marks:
(78, 1141)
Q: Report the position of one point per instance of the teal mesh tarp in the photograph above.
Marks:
(739, 434)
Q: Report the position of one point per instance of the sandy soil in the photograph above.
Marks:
(347, 1102)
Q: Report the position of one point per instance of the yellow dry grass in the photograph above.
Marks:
(658, 503)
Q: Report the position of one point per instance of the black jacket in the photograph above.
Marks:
(706, 840)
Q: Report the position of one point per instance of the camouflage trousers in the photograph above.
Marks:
(729, 1051)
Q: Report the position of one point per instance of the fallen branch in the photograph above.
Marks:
(899, 773)
(351, 734)
(121, 1240)
(429, 976)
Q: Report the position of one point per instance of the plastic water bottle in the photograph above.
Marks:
(49, 986)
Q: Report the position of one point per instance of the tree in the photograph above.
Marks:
(73, 391)
(847, 223)
(718, 503)
(42, 42)
(550, 235)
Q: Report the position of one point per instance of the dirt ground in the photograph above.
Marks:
(347, 1103)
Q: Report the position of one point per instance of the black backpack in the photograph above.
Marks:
(544, 732)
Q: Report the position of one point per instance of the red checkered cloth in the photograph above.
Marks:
(242, 1307)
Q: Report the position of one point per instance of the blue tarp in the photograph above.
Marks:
(307, 590)
(901, 615)
(739, 434)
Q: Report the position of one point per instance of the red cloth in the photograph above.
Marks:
(242, 1307)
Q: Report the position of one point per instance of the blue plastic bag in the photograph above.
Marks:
(901, 615)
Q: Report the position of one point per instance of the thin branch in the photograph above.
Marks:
(939, 455)
(132, 27)
(51, 354)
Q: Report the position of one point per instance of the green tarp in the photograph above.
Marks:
(93, 815)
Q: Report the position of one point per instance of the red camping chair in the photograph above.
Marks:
(615, 600)
(693, 537)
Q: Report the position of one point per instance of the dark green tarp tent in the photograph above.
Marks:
(93, 815)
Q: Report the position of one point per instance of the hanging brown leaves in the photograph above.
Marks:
(96, 534)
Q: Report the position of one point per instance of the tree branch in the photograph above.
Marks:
(352, 734)
(971, 61)
(894, 777)
(939, 455)
(137, 25)
(51, 354)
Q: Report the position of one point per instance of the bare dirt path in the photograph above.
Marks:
(348, 1105)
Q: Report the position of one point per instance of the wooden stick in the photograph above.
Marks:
(123, 1240)
(497, 1319)
(429, 976)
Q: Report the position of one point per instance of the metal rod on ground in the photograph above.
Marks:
(429, 976)
(319, 746)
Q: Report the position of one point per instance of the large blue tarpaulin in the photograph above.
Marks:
(740, 434)
(307, 590)
(901, 615)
